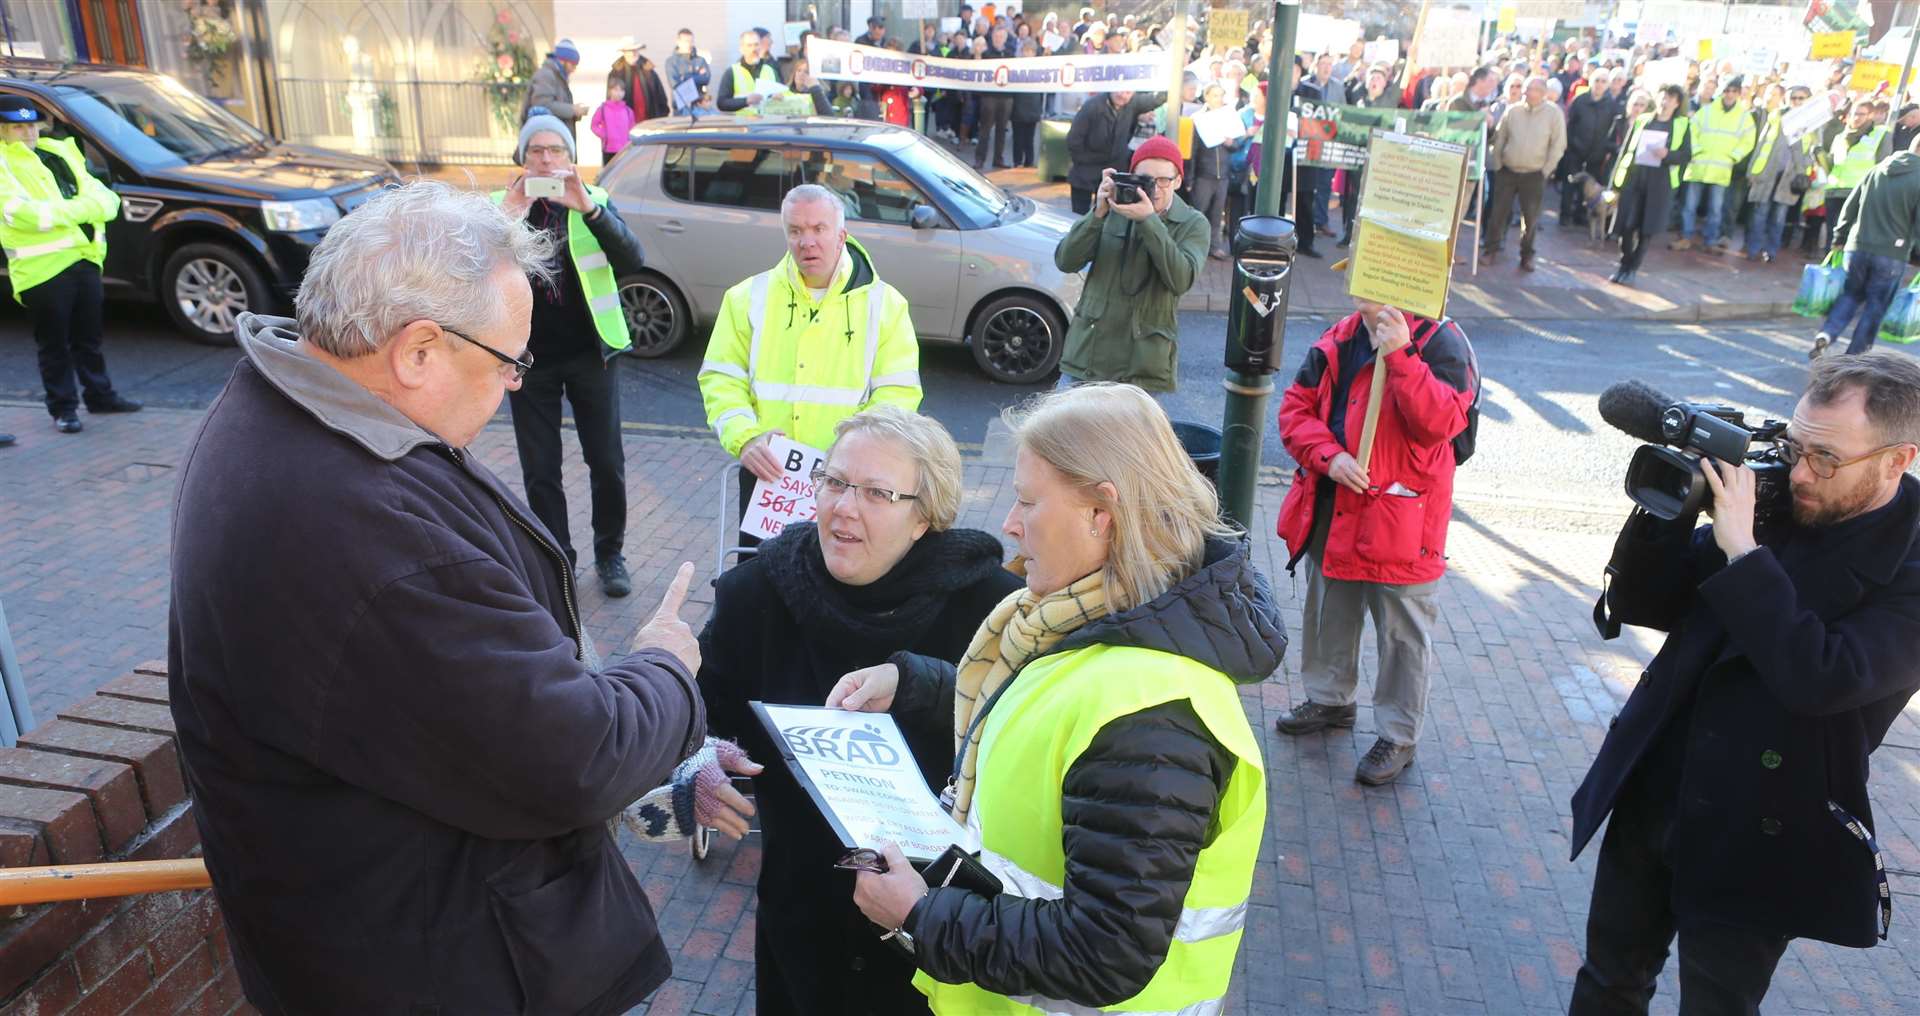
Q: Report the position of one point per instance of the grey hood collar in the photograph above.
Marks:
(334, 399)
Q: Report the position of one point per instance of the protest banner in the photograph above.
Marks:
(1226, 27)
(1409, 213)
(857, 769)
(872, 65)
(1808, 116)
(774, 506)
(1333, 136)
(1448, 38)
(1830, 45)
(1871, 74)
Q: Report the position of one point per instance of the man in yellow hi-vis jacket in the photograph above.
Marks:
(53, 226)
(807, 343)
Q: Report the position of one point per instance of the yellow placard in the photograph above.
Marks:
(1868, 74)
(1508, 14)
(1409, 213)
(1830, 45)
(1185, 140)
(1706, 50)
(1226, 27)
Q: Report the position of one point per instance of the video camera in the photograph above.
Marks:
(1664, 476)
(1130, 187)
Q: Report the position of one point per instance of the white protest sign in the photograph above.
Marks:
(911, 9)
(1449, 38)
(1671, 71)
(859, 772)
(1384, 51)
(777, 505)
(948, 26)
(793, 30)
(1218, 126)
(1322, 34)
(1808, 116)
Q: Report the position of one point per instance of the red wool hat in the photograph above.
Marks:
(1157, 147)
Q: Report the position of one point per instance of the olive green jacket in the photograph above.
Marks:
(1126, 327)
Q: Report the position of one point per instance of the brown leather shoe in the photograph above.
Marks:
(1312, 717)
(1383, 762)
(1526, 262)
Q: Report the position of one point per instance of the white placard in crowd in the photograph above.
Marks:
(1052, 42)
(1216, 126)
(915, 9)
(1384, 51)
(777, 505)
(1120, 72)
(1450, 38)
(1671, 71)
(948, 26)
(1808, 116)
(1650, 31)
(858, 771)
(794, 30)
(1322, 34)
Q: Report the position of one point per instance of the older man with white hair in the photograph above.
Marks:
(402, 745)
(807, 343)
(1526, 147)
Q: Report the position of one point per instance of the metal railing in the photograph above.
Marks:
(466, 122)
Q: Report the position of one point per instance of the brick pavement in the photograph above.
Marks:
(1447, 893)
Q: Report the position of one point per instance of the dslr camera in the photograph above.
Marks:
(1664, 475)
(1130, 187)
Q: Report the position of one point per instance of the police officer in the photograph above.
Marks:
(578, 327)
(53, 217)
(806, 343)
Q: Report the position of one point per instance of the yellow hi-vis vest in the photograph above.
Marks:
(1676, 136)
(744, 84)
(601, 289)
(1043, 722)
(1851, 164)
(39, 228)
(1721, 137)
(779, 360)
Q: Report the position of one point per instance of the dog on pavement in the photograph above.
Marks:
(1600, 201)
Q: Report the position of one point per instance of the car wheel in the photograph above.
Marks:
(207, 286)
(1017, 339)
(657, 319)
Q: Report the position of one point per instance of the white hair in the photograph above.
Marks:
(815, 192)
(423, 251)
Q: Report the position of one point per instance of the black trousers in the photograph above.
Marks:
(1082, 199)
(1024, 132)
(992, 129)
(66, 327)
(1723, 968)
(591, 387)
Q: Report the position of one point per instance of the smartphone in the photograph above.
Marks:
(545, 186)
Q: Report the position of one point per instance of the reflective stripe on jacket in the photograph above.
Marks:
(599, 287)
(1721, 138)
(744, 85)
(1041, 725)
(778, 360)
(1851, 163)
(40, 228)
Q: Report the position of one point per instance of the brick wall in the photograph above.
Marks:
(103, 782)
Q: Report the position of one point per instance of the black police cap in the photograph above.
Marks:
(17, 109)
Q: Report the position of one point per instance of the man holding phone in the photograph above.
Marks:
(578, 328)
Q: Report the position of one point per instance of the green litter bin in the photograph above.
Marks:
(1053, 149)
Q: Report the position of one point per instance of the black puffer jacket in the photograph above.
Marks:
(1130, 854)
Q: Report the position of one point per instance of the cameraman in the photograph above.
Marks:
(1736, 774)
(1140, 257)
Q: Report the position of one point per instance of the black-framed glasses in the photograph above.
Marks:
(1163, 182)
(1824, 464)
(863, 859)
(827, 483)
(520, 366)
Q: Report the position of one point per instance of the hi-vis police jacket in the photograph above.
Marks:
(44, 231)
(780, 361)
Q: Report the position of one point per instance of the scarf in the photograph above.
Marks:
(1022, 627)
(895, 610)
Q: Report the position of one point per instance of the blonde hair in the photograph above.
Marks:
(1163, 509)
(935, 457)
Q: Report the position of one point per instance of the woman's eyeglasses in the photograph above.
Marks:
(828, 484)
(520, 366)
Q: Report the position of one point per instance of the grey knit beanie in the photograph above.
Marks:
(543, 121)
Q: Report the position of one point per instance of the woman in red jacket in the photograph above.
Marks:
(1374, 537)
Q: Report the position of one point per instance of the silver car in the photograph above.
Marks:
(974, 262)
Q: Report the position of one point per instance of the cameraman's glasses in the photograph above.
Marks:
(1824, 464)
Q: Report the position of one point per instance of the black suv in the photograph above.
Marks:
(216, 217)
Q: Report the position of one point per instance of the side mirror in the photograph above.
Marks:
(923, 217)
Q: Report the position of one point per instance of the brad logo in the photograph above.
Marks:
(1001, 75)
(853, 746)
(1067, 75)
(919, 70)
(854, 60)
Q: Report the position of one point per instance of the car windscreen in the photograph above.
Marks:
(979, 199)
(153, 121)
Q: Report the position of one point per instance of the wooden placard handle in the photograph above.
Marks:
(22, 886)
(1374, 391)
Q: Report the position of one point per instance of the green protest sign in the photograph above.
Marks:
(1334, 136)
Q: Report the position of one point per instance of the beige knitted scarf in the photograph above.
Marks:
(1022, 627)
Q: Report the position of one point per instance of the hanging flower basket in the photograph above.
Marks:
(506, 71)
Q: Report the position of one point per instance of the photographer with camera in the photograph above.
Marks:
(1142, 249)
(1736, 773)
